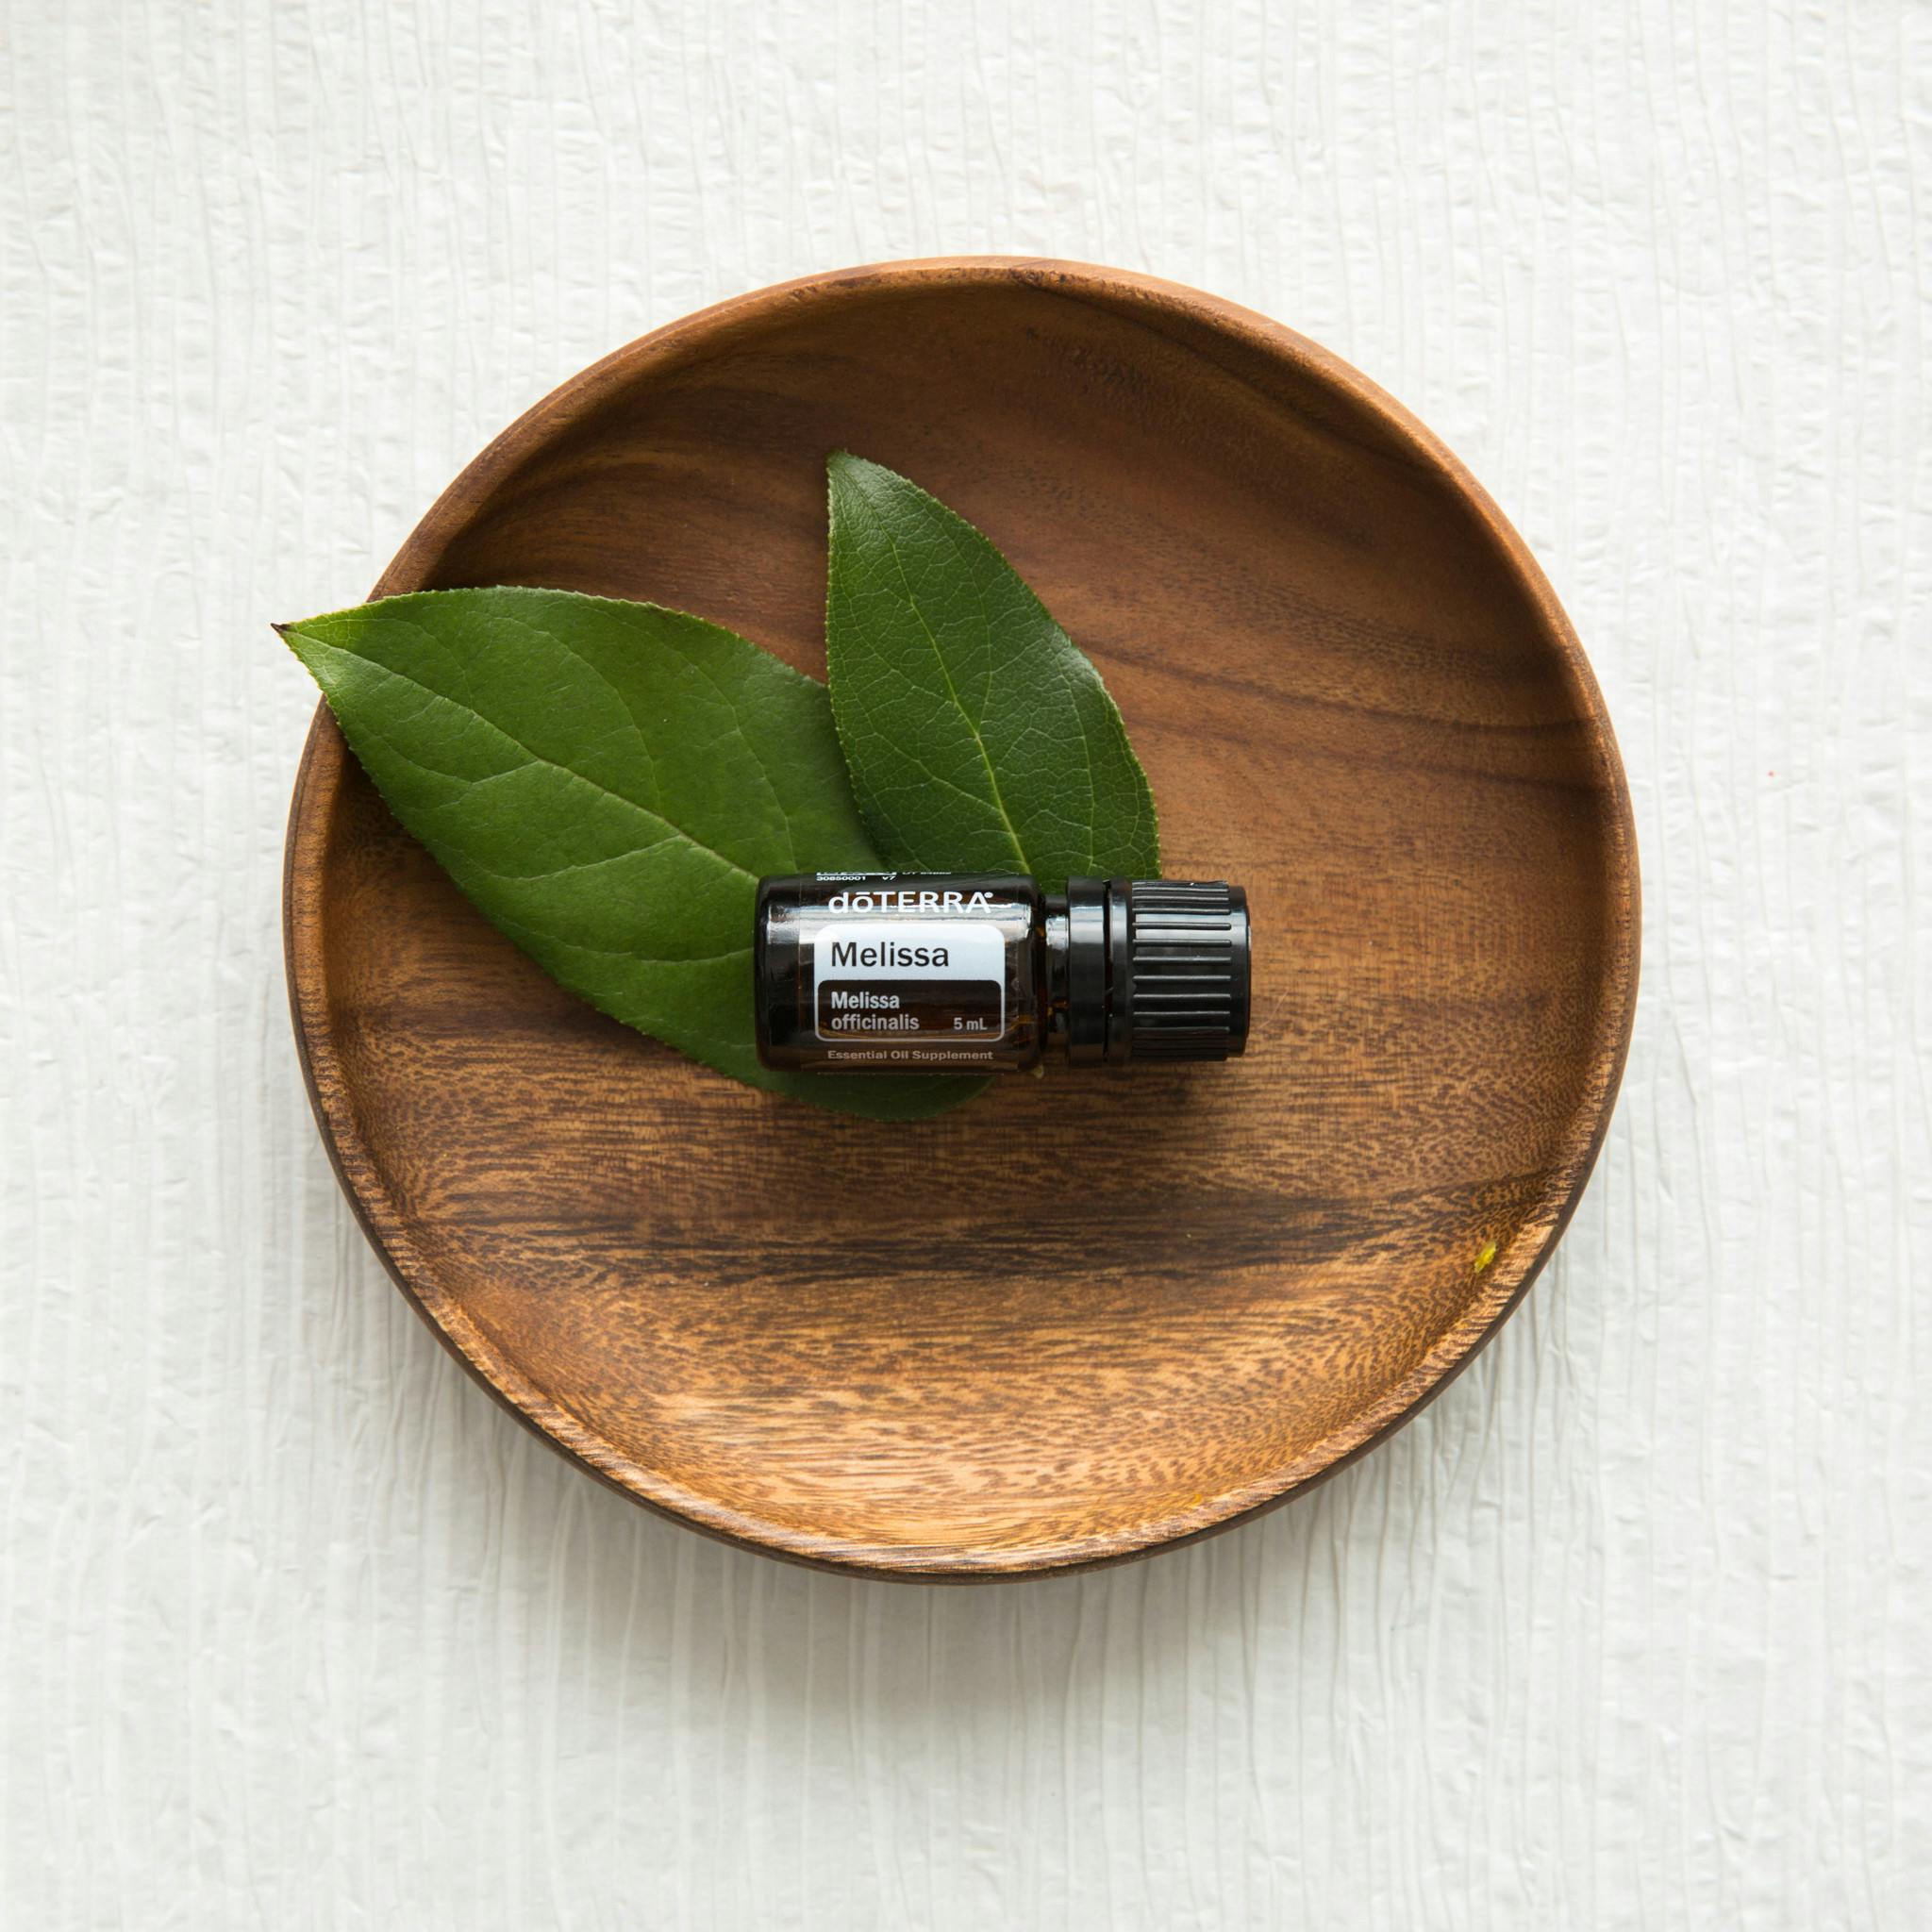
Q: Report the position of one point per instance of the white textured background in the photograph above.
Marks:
(1634, 1628)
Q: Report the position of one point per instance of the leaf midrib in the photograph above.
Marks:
(952, 690)
(531, 753)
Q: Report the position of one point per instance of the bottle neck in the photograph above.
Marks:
(1084, 983)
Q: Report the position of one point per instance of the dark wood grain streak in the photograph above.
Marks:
(1085, 1317)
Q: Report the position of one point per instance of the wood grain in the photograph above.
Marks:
(1085, 1317)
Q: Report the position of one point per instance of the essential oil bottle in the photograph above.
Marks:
(921, 973)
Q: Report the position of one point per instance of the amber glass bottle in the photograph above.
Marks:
(920, 972)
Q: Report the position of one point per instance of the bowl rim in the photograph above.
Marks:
(318, 785)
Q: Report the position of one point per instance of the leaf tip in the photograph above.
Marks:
(844, 465)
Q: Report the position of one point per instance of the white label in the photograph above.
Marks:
(889, 980)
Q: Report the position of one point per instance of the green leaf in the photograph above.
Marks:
(608, 782)
(980, 738)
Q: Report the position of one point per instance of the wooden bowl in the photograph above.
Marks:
(1086, 1316)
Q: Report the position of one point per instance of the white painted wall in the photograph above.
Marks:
(1634, 1628)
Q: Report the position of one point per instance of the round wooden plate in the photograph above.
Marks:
(1087, 1315)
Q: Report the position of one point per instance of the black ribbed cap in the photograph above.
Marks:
(1187, 957)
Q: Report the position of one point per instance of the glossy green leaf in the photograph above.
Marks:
(979, 736)
(607, 782)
